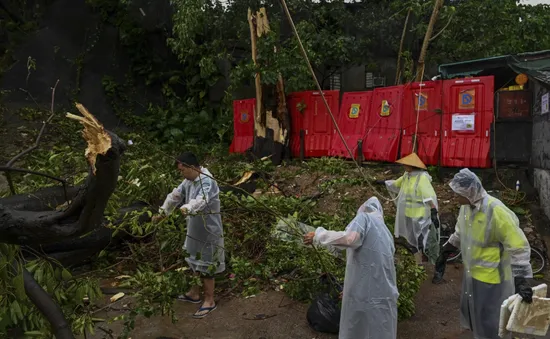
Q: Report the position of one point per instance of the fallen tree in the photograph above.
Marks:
(83, 214)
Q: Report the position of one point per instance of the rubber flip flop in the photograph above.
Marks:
(189, 299)
(202, 309)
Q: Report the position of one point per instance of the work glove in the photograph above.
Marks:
(379, 182)
(441, 262)
(523, 289)
(435, 218)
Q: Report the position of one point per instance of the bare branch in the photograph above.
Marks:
(36, 142)
(441, 31)
(22, 170)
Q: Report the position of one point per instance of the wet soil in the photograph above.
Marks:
(271, 315)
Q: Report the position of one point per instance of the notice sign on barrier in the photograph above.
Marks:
(385, 110)
(420, 102)
(467, 99)
(244, 117)
(545, 106)
(354, 111)
(463, 123)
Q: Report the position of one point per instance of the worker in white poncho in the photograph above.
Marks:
(369, 302)
(495, 252)
(417, 217)
(204, 243)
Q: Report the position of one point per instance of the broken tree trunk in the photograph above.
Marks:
(271, 116)
(420, 72)
(85, 212)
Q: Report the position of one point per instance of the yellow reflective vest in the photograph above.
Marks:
(417, 190)
(484, 237)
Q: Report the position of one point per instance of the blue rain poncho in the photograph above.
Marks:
(369, 303)
(204, 241)
(494, 251)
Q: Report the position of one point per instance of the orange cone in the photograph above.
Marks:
(412, 160)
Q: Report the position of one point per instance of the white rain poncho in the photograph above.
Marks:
(204, 241)
(369, 304)
(415, 195)
(494, 251)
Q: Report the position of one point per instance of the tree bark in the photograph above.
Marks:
(47, 306)
(84, 214)
(271, 116)
(420, 72)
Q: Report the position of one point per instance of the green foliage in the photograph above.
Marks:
(492, 27)
(154, 263)
(409, 278)
(72, 294)
(328, 165)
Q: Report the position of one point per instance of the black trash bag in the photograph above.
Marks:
(323, 314)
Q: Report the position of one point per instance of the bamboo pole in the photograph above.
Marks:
(429, 31)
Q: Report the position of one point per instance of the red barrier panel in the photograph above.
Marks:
(243, 125)
(352, 122)
(308, 113)
(381, 140)
(424, 98)
(468, 115)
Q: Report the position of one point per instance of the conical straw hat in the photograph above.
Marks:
(412, 160)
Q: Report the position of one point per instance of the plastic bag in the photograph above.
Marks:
(323, 314)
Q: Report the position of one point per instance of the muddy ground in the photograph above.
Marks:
(271, 315)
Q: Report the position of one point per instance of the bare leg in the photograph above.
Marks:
(208, 292)
(208, 303)
(194, 293)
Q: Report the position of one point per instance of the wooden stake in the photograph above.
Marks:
(437, 6)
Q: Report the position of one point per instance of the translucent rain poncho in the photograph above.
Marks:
(415, 194)
(494, 251)
(204, 241)
(369, 304)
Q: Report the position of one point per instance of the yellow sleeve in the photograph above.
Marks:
(397, 183)
(508, 231)
(426, 190)
(512, 238)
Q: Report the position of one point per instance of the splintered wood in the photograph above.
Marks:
(99, 141)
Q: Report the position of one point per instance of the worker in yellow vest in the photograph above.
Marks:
(417, 218)
(494, 250)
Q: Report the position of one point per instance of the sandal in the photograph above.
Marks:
(199, 315)
(189, 299)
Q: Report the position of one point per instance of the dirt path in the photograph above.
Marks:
(436, 317)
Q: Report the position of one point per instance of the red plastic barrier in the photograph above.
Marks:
(308, 113)
(381, 140)
(468, 115)
(243, 125)
(352, 121)
(424, 98)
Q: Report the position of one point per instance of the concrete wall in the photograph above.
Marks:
(540, 157)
